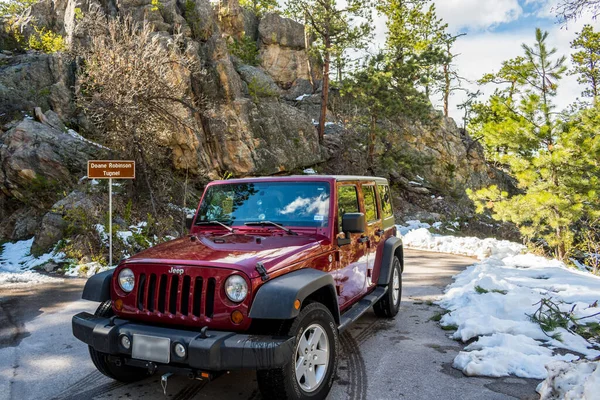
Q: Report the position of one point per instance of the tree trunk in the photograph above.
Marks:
(446, 90)
(560, 249)
(325, 91)
(371, 146)
(447, 82)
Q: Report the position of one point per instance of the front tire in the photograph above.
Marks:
(310, 373)
(122, 373)
(389, 304)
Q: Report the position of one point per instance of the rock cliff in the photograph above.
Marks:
(240, 134)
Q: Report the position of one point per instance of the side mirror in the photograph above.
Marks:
(351, 223)
(189, 219)
(354, 223)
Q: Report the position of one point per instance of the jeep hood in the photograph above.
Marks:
(235, 251)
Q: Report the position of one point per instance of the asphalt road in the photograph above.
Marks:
(406, 358)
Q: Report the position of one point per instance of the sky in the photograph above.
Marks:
(495, 31)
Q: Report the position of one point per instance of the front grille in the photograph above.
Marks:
(185, 295)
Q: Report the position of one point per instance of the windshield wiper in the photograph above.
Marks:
(230, 229)
(263, 223)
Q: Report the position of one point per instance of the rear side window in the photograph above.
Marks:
(370, 203)
(347, 201)
(386, 200)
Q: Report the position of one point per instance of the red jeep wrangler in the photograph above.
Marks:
(272, 271)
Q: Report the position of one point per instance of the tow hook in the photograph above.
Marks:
(163, 381)
(151, 367)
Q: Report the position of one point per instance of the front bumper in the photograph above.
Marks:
(218, 351)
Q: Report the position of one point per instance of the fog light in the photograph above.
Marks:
(180, 350)
(125, 342)
(237, 317)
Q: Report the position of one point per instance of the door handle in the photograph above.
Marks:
(379, 232)
(363, 239)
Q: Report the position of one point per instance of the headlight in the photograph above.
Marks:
(236, 288)
(126, 280)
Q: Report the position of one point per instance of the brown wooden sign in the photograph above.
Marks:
(111, 169)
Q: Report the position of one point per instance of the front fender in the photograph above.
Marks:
(275, 298)
(97, 287)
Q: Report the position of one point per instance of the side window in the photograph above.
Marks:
(370, 203)
(386, 200)
(347, 202)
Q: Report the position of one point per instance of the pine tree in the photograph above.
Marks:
(372, 89)
(546, 155)
(449, 73)
(416, 40)
(335, 31)
(587, 60)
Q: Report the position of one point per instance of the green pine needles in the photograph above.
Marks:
(552, 156)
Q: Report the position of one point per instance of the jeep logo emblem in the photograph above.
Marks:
(178, 271)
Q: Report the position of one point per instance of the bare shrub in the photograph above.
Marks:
(134, 85)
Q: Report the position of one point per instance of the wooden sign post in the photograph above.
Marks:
(110, 169)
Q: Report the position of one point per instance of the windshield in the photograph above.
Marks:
(285, 203)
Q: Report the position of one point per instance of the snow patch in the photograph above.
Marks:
(412, 225)
(16, 263)
(416, 235)
(491, 302)
(578, 380)
(77, 136)
(87, 270)
(302, 97)
(502, 354)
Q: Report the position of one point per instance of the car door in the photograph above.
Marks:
(374, 231)
(350, 277)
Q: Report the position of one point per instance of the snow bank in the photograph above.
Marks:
(578, 380)
(491, 302)
(498, 295)
(16, 263)
(416, 235)
(502, 354)
(414, 225)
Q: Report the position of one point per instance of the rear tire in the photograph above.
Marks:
(389, 304)
(122, 373)
(316, 344)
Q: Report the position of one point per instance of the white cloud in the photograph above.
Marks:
(477, 14)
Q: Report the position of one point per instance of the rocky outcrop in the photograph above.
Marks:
(230, 134)
(283, 50)
(55, 223)
(36, 156)
(36, 80)
(39, 160)
(20, 224)
(257, 77)
(437, 159)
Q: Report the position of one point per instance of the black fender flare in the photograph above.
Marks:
(97, 287)
(392, 247)
(275, 298)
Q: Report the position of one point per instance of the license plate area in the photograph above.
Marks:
(151, 348)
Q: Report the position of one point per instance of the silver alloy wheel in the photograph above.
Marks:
(396, 286)
(312, 358)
